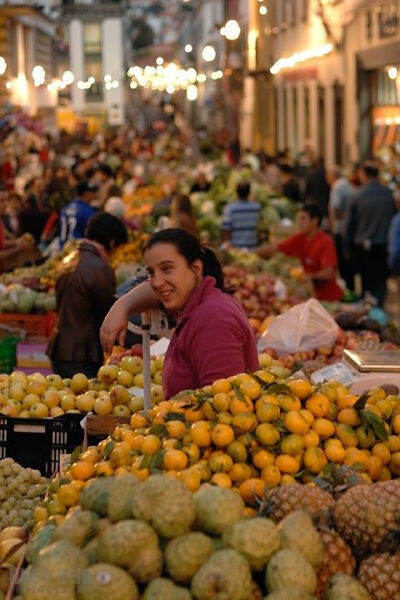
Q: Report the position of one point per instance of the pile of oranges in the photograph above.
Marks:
(248, 432)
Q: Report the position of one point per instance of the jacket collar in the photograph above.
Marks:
(203, 290)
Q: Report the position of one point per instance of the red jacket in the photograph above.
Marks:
(212, 339)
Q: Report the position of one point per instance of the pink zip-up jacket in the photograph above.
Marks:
(212, 340)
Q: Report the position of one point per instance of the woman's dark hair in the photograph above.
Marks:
(190, 248)
(105, 229)
(183, 204)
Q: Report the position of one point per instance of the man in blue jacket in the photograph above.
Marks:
(75, 215)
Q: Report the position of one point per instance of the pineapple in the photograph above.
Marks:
(281, 501)
(380, 575)
(367, 516)
(337, 559)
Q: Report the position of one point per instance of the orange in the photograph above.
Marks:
(393, 443)
(271, 475)
(250, 389)
(244, 422)
(138, 420)
(249, 512)
(141, 474)
(301, 388)
(175, 459)
(237, 406)
(383, 452)
(385, 408)
(311, 439)
(262, 458)
(136, 442)
(288, 480)
(203, 470)
(193, 453)
(309, 417)
(220, 462)
(176, 429)
(374, 467)
(221, 480)
(323, 427)
(355, 456)
(208, 410)
(252, 489)
(396, 424)
(267, 399)
(314, 459)
(150, 444)
(194, 414)
(266, 412)
(221, 402)
(318, 404)
(345, 401)
(191, 479)
(221, 386)
(385, 474)
(349, 416)
(82, 470)
(91, 455)
(200, 433)
(288, 403)
(267, 434)
(292, 444)
(287, 464)
(170, 443)
(68, 494)
(104, 469)
(240, 472)
(237, 451)
(394, 464)
(335, 451)
(225, 417)
(296, 423)
(347, 435)
(222, 435)
(40, 514)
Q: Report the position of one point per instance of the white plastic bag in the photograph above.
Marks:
(306, 326)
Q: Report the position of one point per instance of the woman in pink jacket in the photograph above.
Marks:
(212, 338)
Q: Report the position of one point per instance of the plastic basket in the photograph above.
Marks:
(8, 354)
(35, 325)
(39, 443)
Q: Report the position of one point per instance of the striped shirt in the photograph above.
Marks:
(241, 219)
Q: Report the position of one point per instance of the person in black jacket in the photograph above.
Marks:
(317, 188)
(85, 293)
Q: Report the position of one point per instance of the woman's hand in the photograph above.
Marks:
(114, 327)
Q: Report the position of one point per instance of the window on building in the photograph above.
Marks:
(95, 92)
(92, 38)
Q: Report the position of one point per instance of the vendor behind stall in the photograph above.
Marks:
(315, 249)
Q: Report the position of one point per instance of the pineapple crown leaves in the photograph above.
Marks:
(370, 419)
(338, 479)
(109, 447)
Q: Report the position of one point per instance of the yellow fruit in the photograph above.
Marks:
(355, 456)
(393, 443)
(103, 469)
(222, 480)
(292, 444)
(191, 479)
(301, 388)
(203, 470)
(262, 458)
(287, 464)
(237, 406)
(271, 475)
(193, 453)
(222, 435)
(250, 389)
(309, 417)
(267, 413)
(366, 437)
(318, 405)
(396, 424)
(175, 459)
(323, 427)
(288, 479)
(374, 467)
(296, 423)
(349, 416)
(385, 474)
(347, 435)
(251, 490)
(311, 439)
(394, 464)
(289, 403)
(267, 434)
(68, 402)
(335, 451)
(103, 406)
(200, 433)
(220, 462)
(82, 470)
(150, 445)
(237, 452)
(176, 429)
(240, 472)
(192, 415)
(91, 455)
(244, 422)
(383, 452)
(68, 494)
(314, 459)
(345, 401)
(85, 403)
(208, 410)
(141, 474)
(221, 386)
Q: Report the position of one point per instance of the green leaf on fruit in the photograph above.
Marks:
(146, 415)
(108, 449)
(358, 467)
(279, 388)
(264, 385)
(202, 397)
(361, 402)
(376, 423)
(157, 460)
(146, 462)
(238, 393)
(183, 395)
(159, 430)
(174, 416)
(279, 424)
(75, 454)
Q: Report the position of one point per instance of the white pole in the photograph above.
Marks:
(146, 359)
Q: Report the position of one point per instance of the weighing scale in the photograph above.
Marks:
(363, 370)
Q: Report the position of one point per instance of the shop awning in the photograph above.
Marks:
(380, 56)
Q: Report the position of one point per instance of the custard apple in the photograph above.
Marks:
(94, 495)
(41, 539)
(61, 556)
(344, 587)
(37, 583)
(165, 589)
(289, 568)
(217, 508)
(106, 582)
(298, 533)
(79, 527)
(120, 497)
(184, 555)
(290, 593)
(225, 575)
(256, 539)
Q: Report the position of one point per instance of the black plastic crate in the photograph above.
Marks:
(39, 443)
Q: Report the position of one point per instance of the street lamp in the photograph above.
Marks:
(3, 65)
(231, 30)
(188, 48)
(192, 93)
(208, 53)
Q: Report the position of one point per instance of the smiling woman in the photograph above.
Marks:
(212, 338)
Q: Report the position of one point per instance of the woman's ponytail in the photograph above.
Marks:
(213, 268)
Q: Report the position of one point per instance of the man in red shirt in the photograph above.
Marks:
(315, 249)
